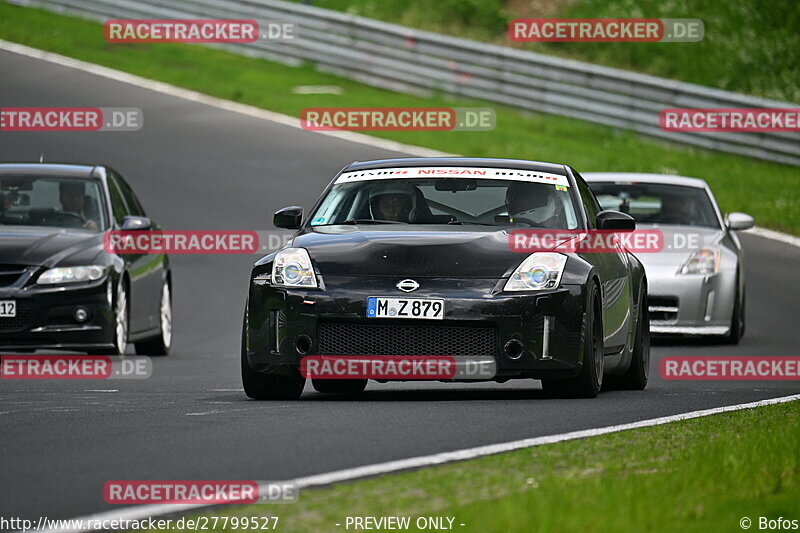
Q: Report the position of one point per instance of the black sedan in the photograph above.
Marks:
(411, 257)
(60, 289)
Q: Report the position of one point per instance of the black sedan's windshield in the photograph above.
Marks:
(52, 202)
(455, 201)
(657, 203)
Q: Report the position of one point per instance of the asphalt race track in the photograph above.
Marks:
(199, 167)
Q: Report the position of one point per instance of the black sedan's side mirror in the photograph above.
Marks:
(135, 224)
(288, 217)
(615, 221)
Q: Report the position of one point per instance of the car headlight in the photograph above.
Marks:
(76, 274)
(703, 261)
(541, 270)
(292, 268)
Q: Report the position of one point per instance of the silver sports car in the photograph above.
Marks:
(696, 281)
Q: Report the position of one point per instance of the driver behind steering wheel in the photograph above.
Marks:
(532, 203)
(394, 202)
(73, 201)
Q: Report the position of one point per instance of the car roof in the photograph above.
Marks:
(643, 177)
(488, 162)
(62, 170)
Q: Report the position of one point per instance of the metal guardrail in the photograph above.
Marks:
(404, 59)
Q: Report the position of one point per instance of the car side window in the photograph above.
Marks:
(118, 207)
(589, 201)
(134, 207)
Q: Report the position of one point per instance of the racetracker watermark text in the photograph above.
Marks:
(397, 119)
(71, 119)
(605, 30)
(730, 120)
(198, 492)
(138, 242)
(195, 31)
(602, 241)
(74, 367)
(395, 367)
(735, 368)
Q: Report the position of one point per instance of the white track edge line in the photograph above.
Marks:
(272, 116)
(350, 474)
(775, 236)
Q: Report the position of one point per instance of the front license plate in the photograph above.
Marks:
(405, 308)
(8, 308)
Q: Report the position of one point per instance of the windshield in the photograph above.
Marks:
(494, 202)
(654, 203)
(52, 202)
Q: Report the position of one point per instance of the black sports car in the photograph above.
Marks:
(386, 234)
(59, 286)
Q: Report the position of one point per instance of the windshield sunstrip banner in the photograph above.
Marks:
(453, 172)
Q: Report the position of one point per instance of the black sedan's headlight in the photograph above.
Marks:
(75, 274)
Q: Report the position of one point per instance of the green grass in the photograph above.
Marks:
(750, 46)
(698, 475)
(768, 191)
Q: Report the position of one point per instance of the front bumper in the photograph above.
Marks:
(694, 304)
(45, 318)
(286, 324)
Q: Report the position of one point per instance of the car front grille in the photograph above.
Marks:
(21, 321)
(662, 308)
(9, 274)
(384, 339)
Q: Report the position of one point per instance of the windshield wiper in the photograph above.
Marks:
(371, 221)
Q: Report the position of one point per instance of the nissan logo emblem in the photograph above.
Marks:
(408, 285)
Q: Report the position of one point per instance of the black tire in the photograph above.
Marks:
(160, 344)
(589, 381)
(635, 378)
(260, 386)
(340, 386)
(737, 319)
(121, 320)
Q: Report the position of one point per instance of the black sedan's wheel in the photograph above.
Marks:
(120, 320)
(260, 386)
(588, 382)
(340, 386)
(160, 344)
(635, 378)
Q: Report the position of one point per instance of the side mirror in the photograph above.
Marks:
(135, 224)
(615, 221)
(739, 221)
(288, 217)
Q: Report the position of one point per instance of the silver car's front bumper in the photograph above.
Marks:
(693, 304)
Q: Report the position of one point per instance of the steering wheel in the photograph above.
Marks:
(553, 222)
(68, 218)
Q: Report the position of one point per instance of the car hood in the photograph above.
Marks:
(680, 242)
(47, 246)
(410, 251)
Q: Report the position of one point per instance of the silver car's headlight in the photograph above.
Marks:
(541, 270)
(76, 274)
(292, 268)
(703, 261)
